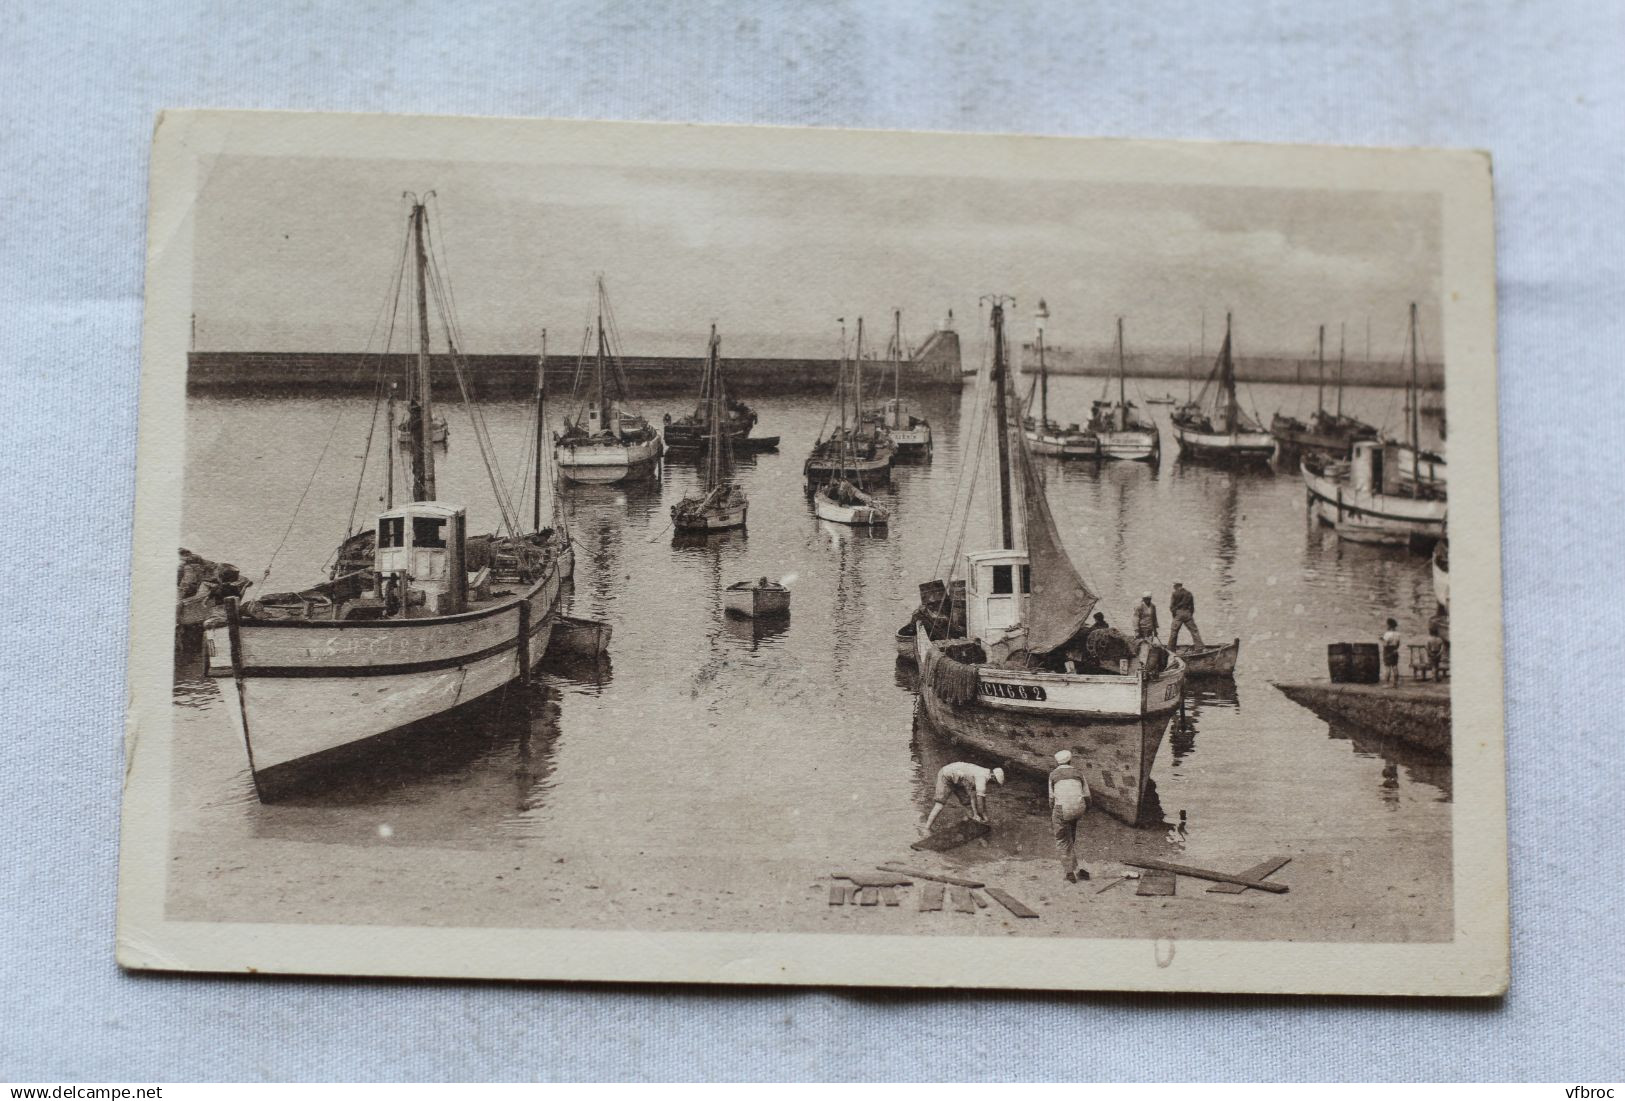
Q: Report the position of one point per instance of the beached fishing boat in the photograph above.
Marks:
(758, 599)
(1331, 433)
(437, 621)
(1210, 661)
(605, 442)
(1122, 432)
(1015, 662)
(854, 451)
(721, 503)
(1372, 496)
(1213, 427)
(910, 433)
(1045, 436)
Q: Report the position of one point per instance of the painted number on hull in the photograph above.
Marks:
(1168, 693)
(1012, 691)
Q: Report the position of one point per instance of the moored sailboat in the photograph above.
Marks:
(721, 503)
(605, 442)
(1122, 433)
(1044, 436)
(1216, 428)
(1331, 433)
(1373, 496)
(693, 432)
(910, 433)
(423, 629)
(853, 451)
(1017, 662)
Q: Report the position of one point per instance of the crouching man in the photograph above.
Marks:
(969, 783)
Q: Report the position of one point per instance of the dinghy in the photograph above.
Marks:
(844, 503)
(1210, 661)
(758, 599)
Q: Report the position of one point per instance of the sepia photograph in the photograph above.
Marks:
(720, 554)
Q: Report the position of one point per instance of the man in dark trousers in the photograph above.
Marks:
(1182, 607)
(1068, 799)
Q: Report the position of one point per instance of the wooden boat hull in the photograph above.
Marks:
(753, 603)
(1425, 467)
(304, 688)
(1062, 695)
(1115, 755)
(695, 437)
(192, 610)
(1133, 445)
(863, 516)
(1231, 447)
(716, 519)
(579, 638)
(1210, 661)
(874, 471)
(905, 641)
(1365, 517)
(1066, 446)
(912, 442)
(601, 463)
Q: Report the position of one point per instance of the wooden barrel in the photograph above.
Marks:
(1367, 663)
(1340, 662)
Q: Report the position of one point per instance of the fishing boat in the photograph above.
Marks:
(1213, 427)
(435, 622)
(910, 433)
(1044, 436)
(758, 599)
(1331, 433)
(841, 502)
(1373, 496)
(604, 442)
(1210, 661)
(1015, 666)
(201, 586)
(1123, 434)
(439, 432)
(1166, 399)
(693, 433)
(721, 503)
(854, 451)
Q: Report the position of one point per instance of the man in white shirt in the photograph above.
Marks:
(969, 783)
(1068, 799)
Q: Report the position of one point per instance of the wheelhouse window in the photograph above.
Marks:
(392, 531)
(1026, 579)
(428, 532)
(1003, 580)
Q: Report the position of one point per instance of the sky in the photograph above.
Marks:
(294, 254)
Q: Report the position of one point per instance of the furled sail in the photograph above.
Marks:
(1060, 603)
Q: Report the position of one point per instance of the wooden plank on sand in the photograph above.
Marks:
(1009, 902)
(960, 896)
(980, 899)
(868, 896)
(1206, 873)
(1157, 883)
(1257, 871)
(931, 896)
(889, 896)
(915, 873)
(874, 879)
(840, 892)
(951, 837)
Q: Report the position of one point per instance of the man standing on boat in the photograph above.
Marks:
(1182, 607)
(1068, 799)
(1145, 618)
(969, 783)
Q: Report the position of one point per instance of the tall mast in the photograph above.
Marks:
(598, 366)
(541, 435)
(896, 365)
(1416, 427)
(1320, 385)
(389, 450)
(1228, 380)
(1005, 489)
(713, 464)
(1039, 318)
(1342, 335)
(857, 381)
(840, 381)
(423, 405)
(1122, 384)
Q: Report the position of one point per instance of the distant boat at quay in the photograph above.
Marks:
(910, 433)
(1331, 433)
(853, 451)
(721, 503)
(1214, 427)
(694, 432)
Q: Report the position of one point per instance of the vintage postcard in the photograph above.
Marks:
(607, 551)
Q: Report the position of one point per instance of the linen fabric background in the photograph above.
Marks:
(1540, 85)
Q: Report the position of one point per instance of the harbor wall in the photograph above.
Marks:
(935, 364)
(1102, 362)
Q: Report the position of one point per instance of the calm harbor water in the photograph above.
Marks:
(704, 736)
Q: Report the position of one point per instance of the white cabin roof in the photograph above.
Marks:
(996, 557)
(424, 508)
